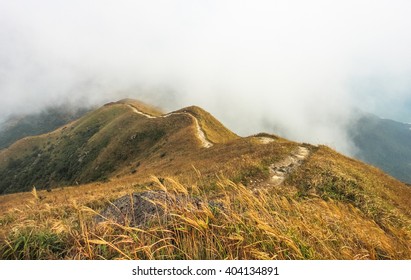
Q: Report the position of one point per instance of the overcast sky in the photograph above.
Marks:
(296, 68)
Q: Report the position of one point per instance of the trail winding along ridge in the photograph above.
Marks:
(200, 133)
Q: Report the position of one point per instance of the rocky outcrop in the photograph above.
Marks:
(145, 208)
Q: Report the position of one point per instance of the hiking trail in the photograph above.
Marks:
(200, 133)
(280, 170)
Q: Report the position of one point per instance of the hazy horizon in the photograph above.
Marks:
(296, 68)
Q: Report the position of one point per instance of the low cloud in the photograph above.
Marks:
(294, 68)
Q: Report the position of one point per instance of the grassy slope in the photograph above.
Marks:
(89, 149)
(374, 196)
(283, 222)
(332, 207)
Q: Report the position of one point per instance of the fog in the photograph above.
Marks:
(294, 68)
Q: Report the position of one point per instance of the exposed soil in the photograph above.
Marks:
(281, 169)
(265, 140)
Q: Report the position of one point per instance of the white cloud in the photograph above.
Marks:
(299, 65)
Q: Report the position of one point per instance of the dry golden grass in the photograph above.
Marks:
(246, 224)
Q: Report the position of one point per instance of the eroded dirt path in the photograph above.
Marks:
(199, 131)
(135, 110)
(265, 140)
(280, 170)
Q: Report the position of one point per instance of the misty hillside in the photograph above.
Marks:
(148, 185)
(20, 126)
(384, 143)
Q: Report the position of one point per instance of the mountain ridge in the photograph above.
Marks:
(255, 197)
(83, 149)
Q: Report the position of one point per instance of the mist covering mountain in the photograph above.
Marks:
(383, 143)
(21, 125)
(303, 64)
